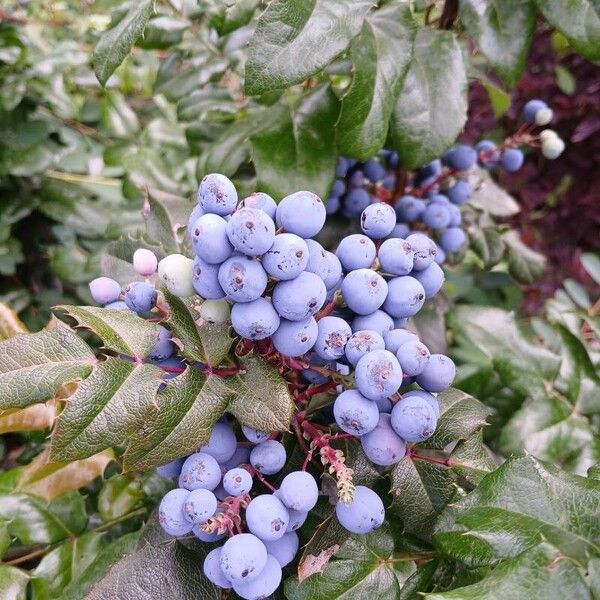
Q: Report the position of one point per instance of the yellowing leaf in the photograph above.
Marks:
(10, 324)
(33, 418)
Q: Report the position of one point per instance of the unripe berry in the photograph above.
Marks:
(175, 272)
(144, 262)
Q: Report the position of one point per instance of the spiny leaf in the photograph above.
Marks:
(165, 216)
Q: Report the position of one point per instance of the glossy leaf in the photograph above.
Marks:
(489, 196)
(13, 583)
(524, 264)
(119, 495)
(165, 216)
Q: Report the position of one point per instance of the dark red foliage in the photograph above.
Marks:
(560, 199)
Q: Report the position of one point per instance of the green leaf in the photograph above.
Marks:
(106, 410)
(118, 496)
(486, 243)
(502, 31)
(165, 216)
(163, 32)
(471, 459)
(120, 330)
(578, 293)
(296, 151)
(489, 196)
(364, 566)
(591, 263)
(432, 107)
(5, 540)
(499, 99)
(116, 43)
(578, 20)
(524, 264)
(234, 16)
(380, 57)
(315, 30)
(32, 366)
(13, 583)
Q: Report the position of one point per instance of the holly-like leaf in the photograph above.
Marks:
(487, 243)
(489, 196)
(13, 583)
(118, 496)
(33, 366)
(106, 410)
(120, 330)
(524, 264)
(296, 150)
(380, 57)
(116, 43)
(33, 418)
(165, 216)
(432, 107)
(315, 30)
(234, 16)
(471, 459)
(503, 32)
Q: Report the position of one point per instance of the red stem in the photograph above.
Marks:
(313, 391)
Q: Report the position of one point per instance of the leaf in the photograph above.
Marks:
(120, 330)
(503, 32)
(489, 196)
(315, 30)
(5, 540)
(380, 57)
(13, 583)
(118, 496)
(578, 20)
(296, 150)
(33, 418)
(487, 243)
(107, 408)
(578, 293)
(432, 107)
(472, 460)
(48, 480)
(10, 324)
(524, 264)
(165, 216)
(33, 366)
(234, 16)
(591, 263)
(364, 566)
(116, 43)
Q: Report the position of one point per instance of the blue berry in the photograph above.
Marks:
(199, 506)
(378, 321)
(433, 169)
(208, 538)
(261, 201)
(196, 213)
(267, 517)
(200, 470)
(251, 231)
(531, 109)
(255, 320)
(382, 445)
(461, 157)
(409, 208)
(374, 170)
(299, 491)
(222, 443)
(401, 230)
(378, 374)
(333, 205)
(297, 518)
(396, 337)
(364, 291)
(170, 513)
(242, 278)
(339, 188)
(310, 375)
(424, 250)
(455, 216)
(460, 192)
(487, 154)
(355, 201)
(243, 558)
(354, 413)
(432, 279)
(287, 257)
(295, 338)
(104, 290)
(342, 167)
(209, 237)
(264, 585)
(140, 297)
(118, 305)
(254, 435)
(268, 458)
(413, 419)
(396, 257)
(164, 347)
(357, 179)
(438, 375)
(302, 213)
(205, 279)
(436, 215)
(405, 297)
(299, 298)
(429, 398)
(511, 159)
(378, 220)
(217, 194)
(317, 259)
(440, 256)
(413, 357)
(212, 569)
(241, 456)
(356, 251)
(452, 239)
(284, 549)
(171, 470)
(364, 514)
(334, 270)
(237, 482)
(362, 342)
(333, 333)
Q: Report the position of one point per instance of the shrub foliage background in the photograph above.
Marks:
(104, 141)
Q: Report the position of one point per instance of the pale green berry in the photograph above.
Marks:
(543, 116)
(144, 262)
(175, 272)
(552, 148)
(215, 311)
(548, 134)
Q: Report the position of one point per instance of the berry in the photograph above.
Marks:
(382, 445)
(455, 215)
(200, 506)
(299, 491)
(355, 201)
(552, 147)
(334, 270)
(333, 205)
(118, 305)
(401, 230)
(333, 333)
(405, 297)
(200, 470)
(287, 257)
(217, 194)
(205, 279)
(243, 557)
(354, 413)
(378, 374)
(170, 470)
(268, 458)
(312, 376)
(396, 257)
(373, 170)
(378, 220)
(215, 311)
(251, 231)
(409, 208)
(242, 278)
(164, 347)
(378, 321)
(302, 213)
(364, 514)
(241, 456)
(429, 398)
(362, 342)
(299, 298)
(237, 482)
(212, 569)
(440, 256)
(175, 271)
(297, 518)
(264, 585)
(432, 169)
(544, 116)
(255, 320)
(357, 179)
(364, 291)
(140, 297)
(170, 513)
(253, 435)
(512, 159)
(413, 356)
(194, 216)
(144, 262)
(531, 109)
(436, 215)
(356, 251)
(413, 419)
(104, 290)
(222, 443)
(438, 374)
(295, 338)
(207, 537)
(267, 517)
(263, 202)
(284, 549)
(424, 250)
(342, 167)
(461, 157)
(452, 239)
(460, 192)
(317, 259)
(432, 279)
(209, 238)
(396, 337)
(339, 188)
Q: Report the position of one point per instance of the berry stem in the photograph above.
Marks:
(314, 390)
